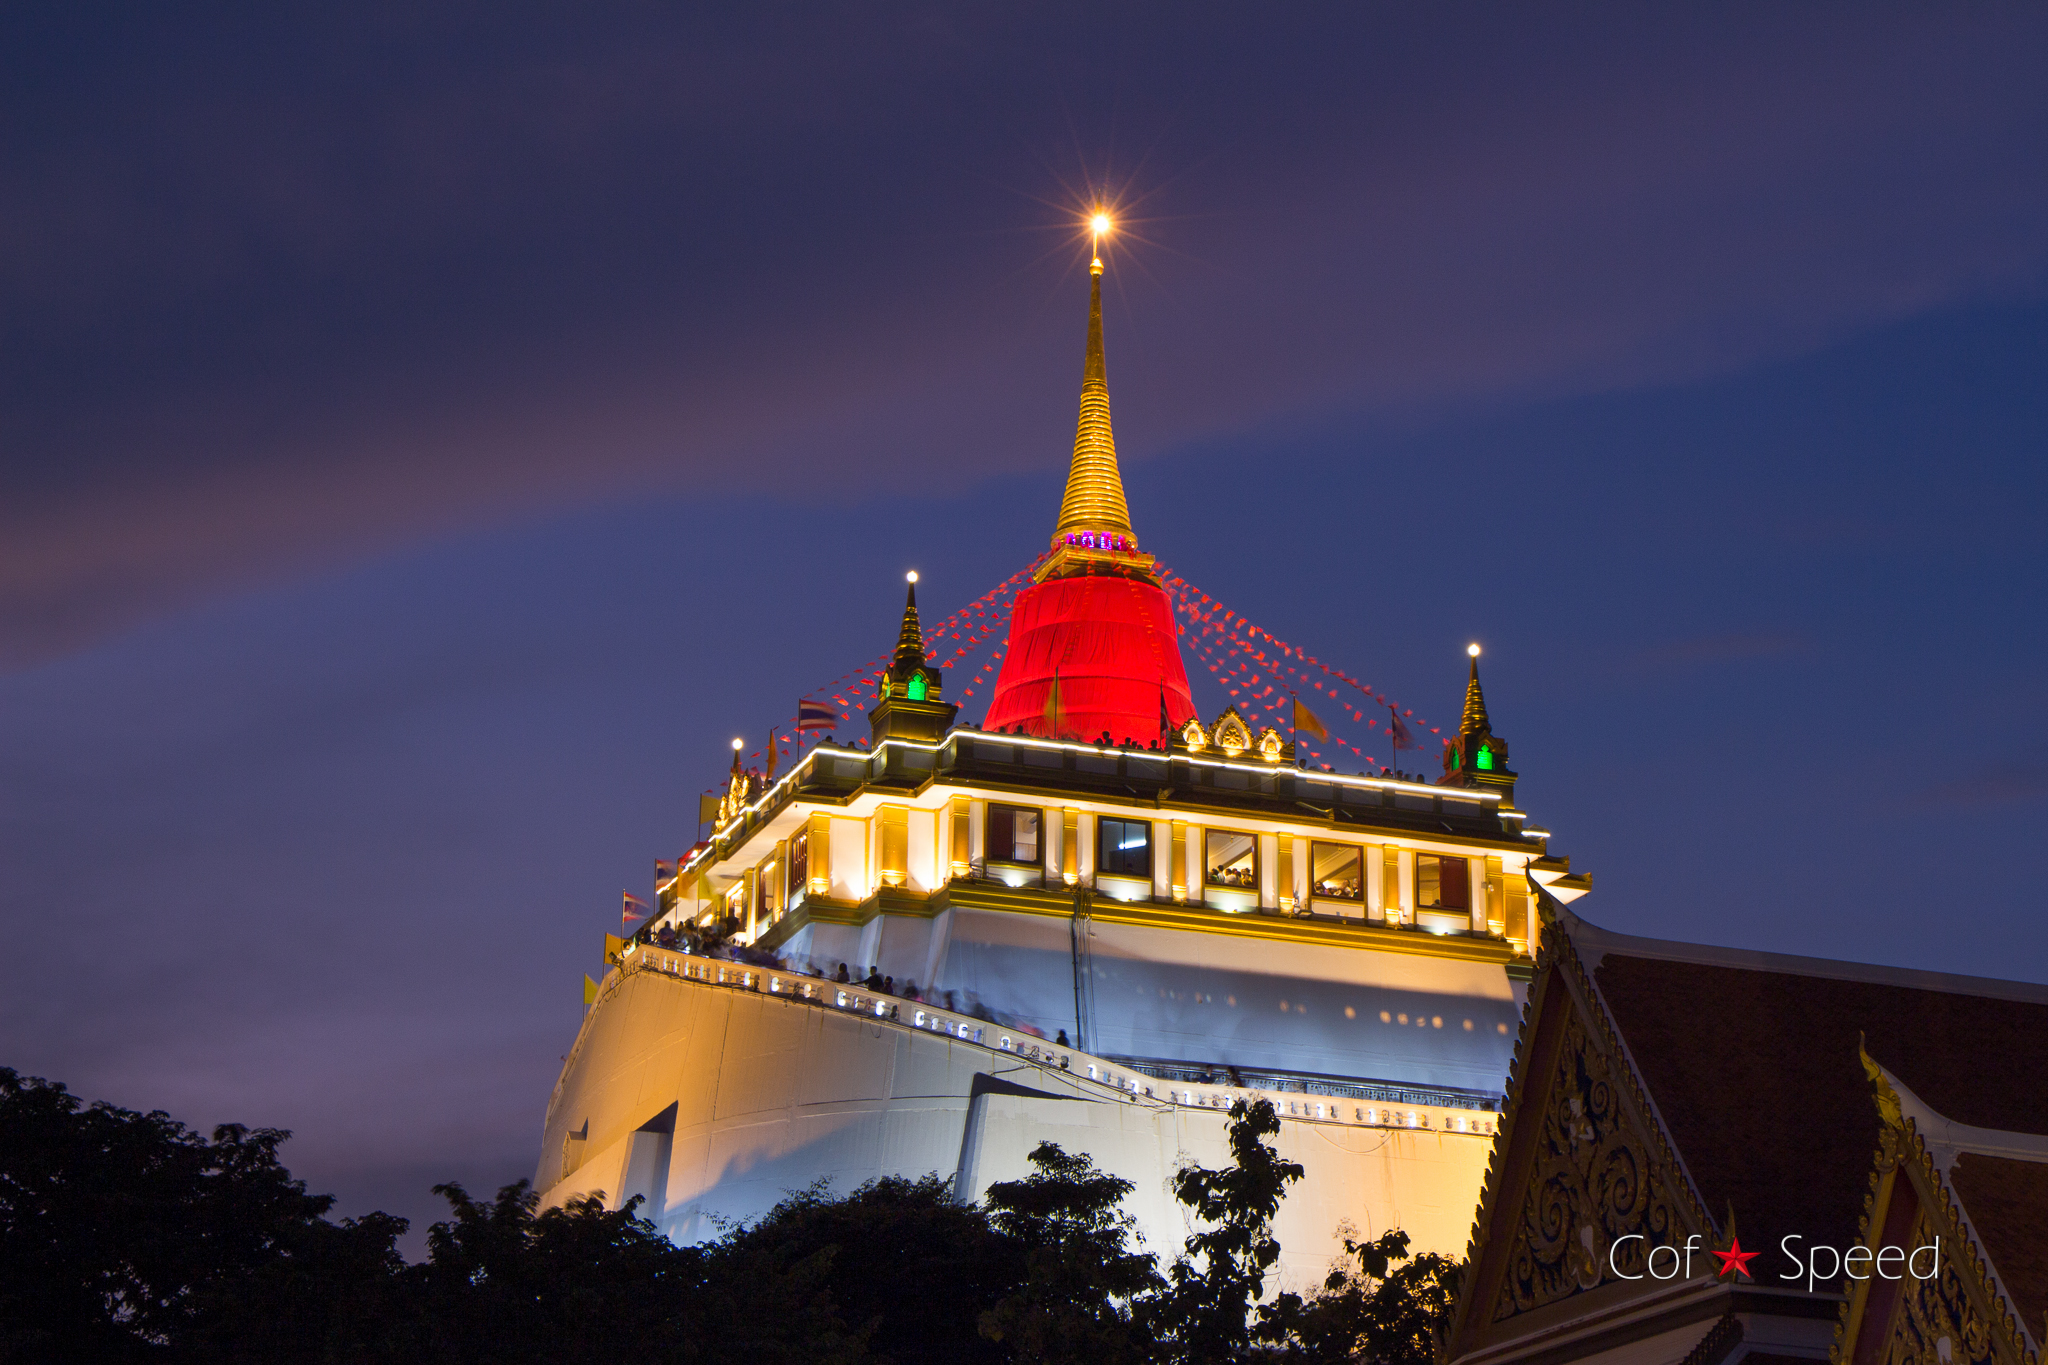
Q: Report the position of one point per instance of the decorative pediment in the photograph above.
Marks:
(1193, 735)
(1596, 1178)
(1231, 734)
(1271, 746)
(1956, 1316)
(1580, 1163)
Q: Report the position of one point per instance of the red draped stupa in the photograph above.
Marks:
(1110, 641)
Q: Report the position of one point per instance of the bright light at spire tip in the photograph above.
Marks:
(1473, 650)
(1099, 224)
(912, 575)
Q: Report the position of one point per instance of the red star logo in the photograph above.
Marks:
(1736, 1259)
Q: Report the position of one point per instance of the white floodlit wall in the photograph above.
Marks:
(714, 1101)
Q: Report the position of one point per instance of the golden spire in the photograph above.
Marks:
(1475, 721)
(910, 640)
(1095, 490)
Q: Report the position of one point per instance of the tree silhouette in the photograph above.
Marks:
(1203, 1318)
(1081, 1273)
(126, 1237)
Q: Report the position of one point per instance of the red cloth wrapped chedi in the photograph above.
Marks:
(1111, 642)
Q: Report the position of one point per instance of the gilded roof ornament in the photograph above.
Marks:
(910, 639)
(1475, 720)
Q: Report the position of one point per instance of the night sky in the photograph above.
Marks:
(425, 441)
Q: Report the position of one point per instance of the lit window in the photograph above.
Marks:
(1231, 857)
(1012, 834)
(1125, 847)
(917, 687)
(1338, 872)
(1441, 883)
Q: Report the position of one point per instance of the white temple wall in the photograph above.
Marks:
(771, 1094)
(1176, 995)
(903, 948)
(1366, 1180)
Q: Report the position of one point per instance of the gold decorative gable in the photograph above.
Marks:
(1271, 746)
(1957, 1317)
(1578, 1164)
(1193, 735)
(1598, 1177)
(1231, 734)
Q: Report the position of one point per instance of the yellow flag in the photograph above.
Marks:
(1052, 707)
(707, 810)
(589, 990)
(614, 947)
(1308, 723)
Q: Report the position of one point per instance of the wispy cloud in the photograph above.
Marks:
(260, 310)
(2008, 784)
(1703, 651)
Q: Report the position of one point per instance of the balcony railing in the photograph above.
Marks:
(1104, 1076)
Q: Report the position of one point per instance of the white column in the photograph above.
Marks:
(1162, 859)
(1405, 866)
(1374, 869)
(1475, 871)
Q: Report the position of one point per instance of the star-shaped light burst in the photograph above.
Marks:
(1736, 1259)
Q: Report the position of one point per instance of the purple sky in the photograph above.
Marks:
(423, 443)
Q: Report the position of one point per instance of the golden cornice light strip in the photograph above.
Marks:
(828, 749)
(1210, 612)
(1059, 904)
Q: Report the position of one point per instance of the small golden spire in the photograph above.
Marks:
(1095, 489)
(1475, 720)
(909, 640)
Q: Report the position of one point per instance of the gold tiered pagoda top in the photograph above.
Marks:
(1094, 532)
(1095, 489)
(1475, 720)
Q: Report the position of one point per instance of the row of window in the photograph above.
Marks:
(1231, 857)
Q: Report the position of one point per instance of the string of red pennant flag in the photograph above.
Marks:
(969, 628)
(1272, 700)
(1256, 655)
(1258, 670)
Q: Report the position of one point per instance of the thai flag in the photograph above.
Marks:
(815, 715)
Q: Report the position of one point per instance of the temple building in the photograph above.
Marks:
(1711, 1155)
(1101, 917)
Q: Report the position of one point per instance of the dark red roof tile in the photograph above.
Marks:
(1756, 1075)
(2007, 1202)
